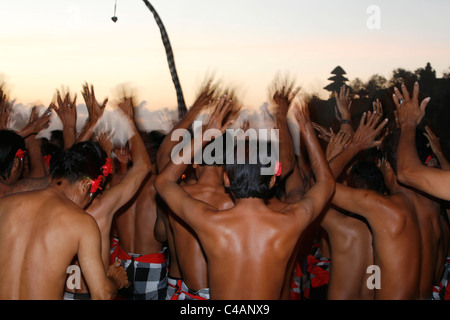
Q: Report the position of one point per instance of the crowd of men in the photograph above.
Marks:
(82, 218)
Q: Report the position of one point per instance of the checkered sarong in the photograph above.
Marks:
(147, 274)
(188, 294)
(442, 291)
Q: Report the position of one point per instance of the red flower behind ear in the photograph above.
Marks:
(107, 168)
(47, 159)
(277, 170)
(20, 154)
(96, 184)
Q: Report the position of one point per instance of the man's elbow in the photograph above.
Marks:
(331, 184)
(405, 174)
(158, 183)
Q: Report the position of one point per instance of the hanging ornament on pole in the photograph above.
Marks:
(114, 18)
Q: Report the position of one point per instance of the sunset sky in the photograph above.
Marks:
(48, 44)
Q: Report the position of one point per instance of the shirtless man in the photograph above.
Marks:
(11, 180)
(194, 265)
(191, 259)
(393, 221)
(135, 223)
(45, 229)
(248, 246)
(103, 207)
(413, 172)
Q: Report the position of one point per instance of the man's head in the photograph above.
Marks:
(245, 180)
(390, 145)
(10, 161)
(366, 175)
(81, 165)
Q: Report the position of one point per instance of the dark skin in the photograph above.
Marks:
(135, 222)
(191, 259)
(351, 245)
(164, 228)
(53, 229)
(103, 207)
(392, 218)
(351, 254)
(233, 246)
(37, 178)
(396, 234)
(410, 115)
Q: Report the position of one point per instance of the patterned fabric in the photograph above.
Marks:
(76, 296)
(182, 110)
(114, 249)
(173, 288)
(188, 294)
(147, 274)
(296, 283)
(442, 291)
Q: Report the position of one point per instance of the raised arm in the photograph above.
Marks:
(206, 95)
(282, 99)
(179, 201)
(343, 103)
(410, 170)
(320, 193)
(5, 108)
(437, 148)
(115, 197)
(95, 110)
(364, 138)
(67, 113)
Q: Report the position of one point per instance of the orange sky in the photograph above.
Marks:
(47, 44)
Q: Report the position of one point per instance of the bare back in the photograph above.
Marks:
(252, 246)
(135, 222)
(397, 249)
(351, 255)
(191, 258)
(40, 232)
(428, 212)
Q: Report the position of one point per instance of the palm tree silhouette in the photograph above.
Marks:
(182, 110)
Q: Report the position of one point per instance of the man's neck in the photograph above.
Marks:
(250, 203)
(210, 177)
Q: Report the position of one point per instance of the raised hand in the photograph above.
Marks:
(221, 108)
(105, 141)
(377, 107)
(322, 132)
(302, 115)
(5, 109)
(67, 109)
(409, 112)
(39, 123)
(95, 109)
(36, 123)
(337, 144)
(126, 105)
(369, 129)
(343, 104)
(435, 145)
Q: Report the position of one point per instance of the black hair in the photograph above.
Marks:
(246, 180)
(366, 175)
(10, 142)
(82, 160)
(390, 145)
(152, 142)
